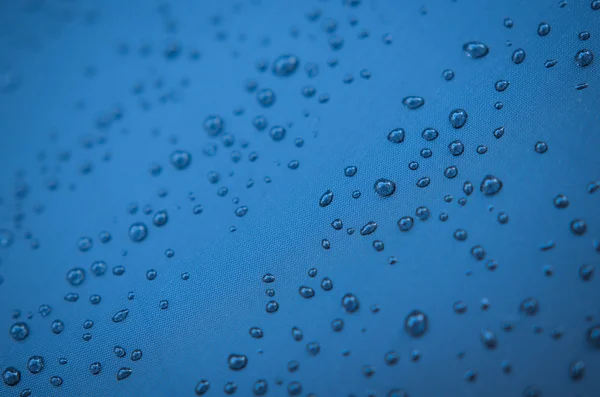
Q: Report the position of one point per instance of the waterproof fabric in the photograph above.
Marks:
(312, 198)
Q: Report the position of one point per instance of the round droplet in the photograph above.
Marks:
(518, 56)
(416, 323)
(543, 29)
(272, 306)
(265, 97)
(180, 159)
(396, 135)
(350, 171)
(561, 201)
(95, 368)
(405, 223)
(350, 303)
(429, 134)
(76, 276)
(448, 75)
(458, 118)
(11, 376)
(384, 187)
(19, 331)
(578, 227)
(593, 336)
(584, 58)
(160, 218)
(35, 364)
(529, 306)
(138, 232)
(490, 185)
(285, 65)
(277, 133)
(326, 284)
(451, 172)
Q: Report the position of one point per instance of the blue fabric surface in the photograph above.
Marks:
(107, 117)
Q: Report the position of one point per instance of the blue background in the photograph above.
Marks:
(64, 65)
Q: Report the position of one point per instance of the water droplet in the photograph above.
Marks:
(369, 228)
(350, 171)
(306, 292)
(541, 147)
(180, 159)
(272, 306)
(518, 56)
(123, 373)
(285, 65)
(160, 218)
(458, 118)
(501, 85)
(593, 336)
(350, 303)
(237, 362)
(475, 49)
(584, 58)
(213, 125)
(416, 323)
(11, 376)
(326, 198)
(460, 235)
(35, 364)
(423, 182)
(202, 387)
(490, 185)
(577, 370)
(57, 327)
(138, 232)
(19, 331)
(429, 134)
(326, 284)
(277, 133)
(95, 368)
(451, 172)
(413, 102)
(488, 338)
(448, 75)
(405, 223)
(265, 97)
(136, 355)
(529, 306)
(313, 348)
(456, 148)
(578, 227)
(297, 334)
(76, 276)
(586, 272)
(120, 315)
(396, 135)
(384, 187)
(543, 29)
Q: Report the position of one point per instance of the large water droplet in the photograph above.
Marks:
(476, 49)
